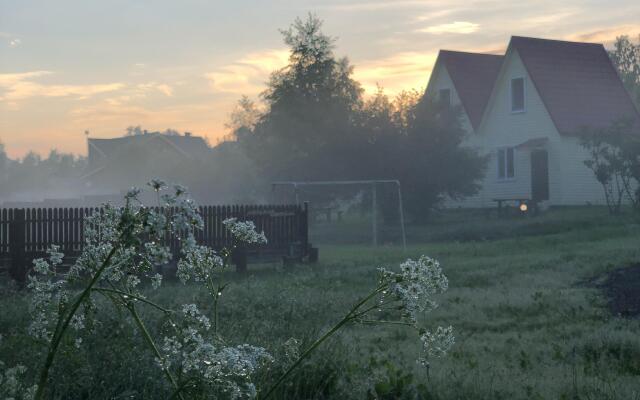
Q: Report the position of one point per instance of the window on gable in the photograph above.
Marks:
(445, 96)
(517, 95)
(506, 168)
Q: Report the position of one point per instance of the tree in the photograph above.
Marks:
(626, 58)
(417, 140)
(310, 107)
(433, 162)
(243, 118)
(614, 158)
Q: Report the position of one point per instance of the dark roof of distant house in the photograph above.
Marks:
(473, 75)
(577, 82)
(189, 146)
(103, 152)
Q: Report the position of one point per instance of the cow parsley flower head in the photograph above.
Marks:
(199, 263)
(436, 343)
(415, 284)
(48, 294)
(245, 231)
(226, 369)
(157, 184)
(133, 193)
(413, 288)
(11, 385)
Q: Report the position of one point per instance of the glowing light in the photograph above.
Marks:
(524, 207)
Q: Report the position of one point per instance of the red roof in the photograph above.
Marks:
(473, 76)
(577, 82)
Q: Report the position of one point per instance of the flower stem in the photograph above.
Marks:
(133, 296)
(348, 317)
(62, 327)
(152, 344)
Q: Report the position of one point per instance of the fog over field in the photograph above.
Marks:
(334, 200)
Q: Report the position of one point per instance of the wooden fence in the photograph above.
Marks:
(27, 233)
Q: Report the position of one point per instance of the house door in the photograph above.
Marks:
(539, 175)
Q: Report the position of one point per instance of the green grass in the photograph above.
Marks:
(528, 325)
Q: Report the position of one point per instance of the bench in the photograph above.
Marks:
(519, 201)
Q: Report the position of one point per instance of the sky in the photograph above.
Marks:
(71, 66)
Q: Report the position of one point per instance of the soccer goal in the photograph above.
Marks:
(370, 186)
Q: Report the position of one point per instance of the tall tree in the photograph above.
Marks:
(432, 161)
(626, 58)
(310, 106)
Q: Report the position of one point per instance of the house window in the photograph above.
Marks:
(506, 168)
(517, 95)
(445, 96)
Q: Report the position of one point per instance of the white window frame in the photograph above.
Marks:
(524, 95)
(506, 177)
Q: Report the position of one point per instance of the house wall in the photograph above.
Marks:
(579, 184)
(502, 128)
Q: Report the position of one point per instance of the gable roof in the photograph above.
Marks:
(473, 75)
(188, 146)
(103, 152)
(577, 82)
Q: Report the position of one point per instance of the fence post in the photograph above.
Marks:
(18, 270)
(304, 227)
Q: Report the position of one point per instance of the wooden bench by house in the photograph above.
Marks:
(531, 206)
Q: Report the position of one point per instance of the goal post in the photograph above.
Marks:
(372, 183)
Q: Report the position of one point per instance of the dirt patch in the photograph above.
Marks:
(622, 289)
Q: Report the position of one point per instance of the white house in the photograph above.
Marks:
(540, 94)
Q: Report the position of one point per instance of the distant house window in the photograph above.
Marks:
(517, 95)
(506, 163)
(445, 97)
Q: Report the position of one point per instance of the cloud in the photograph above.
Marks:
(138, 92)
(249, 74)
(401, 71)
(20, 86)
(607, 35)
(457, 27)
(13, 43)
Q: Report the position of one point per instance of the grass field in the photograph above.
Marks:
(529, 322)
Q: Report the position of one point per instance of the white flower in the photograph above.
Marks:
(416, 283)
(158, 255)
(194, 315)
(245, 231)
(436, 344)
(133, 193)
(11, 386)
(157, 184)
(199, 263)
(77, 321)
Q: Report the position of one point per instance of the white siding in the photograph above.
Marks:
(502, 128)
(579, 184)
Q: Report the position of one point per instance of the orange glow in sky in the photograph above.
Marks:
(73, 66)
